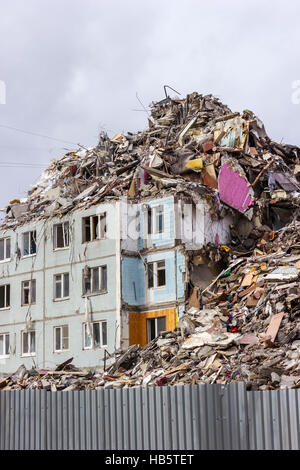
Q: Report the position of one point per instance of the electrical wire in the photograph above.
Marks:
(36, 134)
(22, 165)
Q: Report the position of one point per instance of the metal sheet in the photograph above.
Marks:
(162, 418)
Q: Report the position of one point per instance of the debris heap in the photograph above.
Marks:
(194, 145)
(246, 323)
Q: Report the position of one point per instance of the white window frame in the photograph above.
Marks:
(62, 275)
(92, 346)
(66, 236)
(62, 338)
(31, 281)
(7, 307)
(3, 353)
(155, 274)
(100, 277)
(155, 213)
(102, 228)
(33, 232)
(5, 241)
(29, 333)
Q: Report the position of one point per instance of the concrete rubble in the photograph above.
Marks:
(242, 333)
(193, 145)
(245, 324)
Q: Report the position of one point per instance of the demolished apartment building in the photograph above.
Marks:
(196, 157)
(79, 284)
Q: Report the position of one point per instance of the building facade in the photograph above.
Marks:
(97, 279)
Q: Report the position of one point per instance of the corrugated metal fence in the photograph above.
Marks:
(211, 417)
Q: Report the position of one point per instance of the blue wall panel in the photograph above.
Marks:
(133, 281)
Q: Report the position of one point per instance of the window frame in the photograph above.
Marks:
(102, 231)
(59, 299)
(153, 215)
(84, 336)
(29, 333)
(30, 246)
(155, 270)
(91, 276)
(66, 236)
(5, 259)
(156, 326)
(62, 337)
(5, 355)
(7, 307)
(31, 281)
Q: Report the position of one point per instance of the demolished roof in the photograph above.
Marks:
(191, 144)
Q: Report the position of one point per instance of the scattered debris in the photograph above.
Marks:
(244, 325)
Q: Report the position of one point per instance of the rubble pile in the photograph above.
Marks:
(247, 329)
(243, 326)
(194, 145)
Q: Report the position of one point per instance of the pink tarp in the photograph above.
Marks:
(235, 189)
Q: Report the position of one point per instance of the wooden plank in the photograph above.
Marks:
(274, 326)
(246, 291)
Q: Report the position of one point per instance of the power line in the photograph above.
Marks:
(24, 163)
(20, 165)
(36, 134)
(40, 149)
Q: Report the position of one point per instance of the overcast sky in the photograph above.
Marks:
(73, 68)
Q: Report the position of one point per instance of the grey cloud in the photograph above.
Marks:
(74, 67)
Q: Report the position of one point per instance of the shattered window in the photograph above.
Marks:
(5, 296)
(61, 286)
(96, 335)
(155, 326)
(29, 243)
(61, 235)
(66, 285)
(4, 249)
(150, 275)
(58, 287)
(32, 342)
(4, 344)
(155, 220)
(156, 274)
(95, 280)
(161, 274)
(28, 342)
(61, 338)
(57, 339)
(65, 337)
(87, 338)
(159, 219)
(149, 221)
(151, 329)
(161, 324)
(87, 284)
(28, 292)
(93, 228)
(86, 229)
(104, 278)
(99, 335)
(104, 333)
(102, 226)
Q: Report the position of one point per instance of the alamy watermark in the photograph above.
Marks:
(2, 92)
(296, 92)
